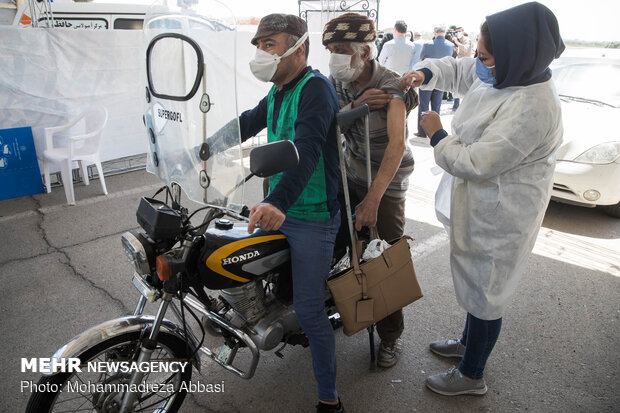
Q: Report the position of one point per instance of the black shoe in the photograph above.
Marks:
(330, 408)
(419, 135)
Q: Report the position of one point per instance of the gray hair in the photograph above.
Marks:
(291, 39)
(439, 29)
(358, 48)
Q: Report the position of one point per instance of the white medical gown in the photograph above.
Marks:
(501, 153)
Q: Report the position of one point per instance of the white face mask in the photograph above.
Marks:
(341, 69)
(265, 64)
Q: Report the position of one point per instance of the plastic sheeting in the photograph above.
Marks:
(49, 76)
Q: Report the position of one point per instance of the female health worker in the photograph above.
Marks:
(501, 155)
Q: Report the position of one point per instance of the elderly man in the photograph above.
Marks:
(302, 203)
(438, 48)
(359, 79)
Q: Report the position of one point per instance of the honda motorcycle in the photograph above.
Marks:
(215, 278)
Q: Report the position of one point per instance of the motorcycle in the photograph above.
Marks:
(179, 264)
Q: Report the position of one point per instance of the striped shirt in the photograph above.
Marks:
(355, 147)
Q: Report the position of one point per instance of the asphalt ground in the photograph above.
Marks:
(62, 271)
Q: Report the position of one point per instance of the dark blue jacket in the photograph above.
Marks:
(315, 132)
(438, 48)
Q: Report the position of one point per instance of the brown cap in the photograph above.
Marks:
(280, 23)
(350, 27)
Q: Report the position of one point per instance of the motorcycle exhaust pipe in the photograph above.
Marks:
(226, 355)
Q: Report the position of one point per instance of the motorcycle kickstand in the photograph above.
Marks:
(278, 352)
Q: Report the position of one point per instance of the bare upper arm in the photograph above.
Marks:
(396, 113)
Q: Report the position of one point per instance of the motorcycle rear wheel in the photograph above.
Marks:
(121, 348)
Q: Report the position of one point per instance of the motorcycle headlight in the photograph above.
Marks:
(136, 252)
(600, 154)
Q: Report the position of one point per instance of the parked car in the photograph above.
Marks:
(588, 167)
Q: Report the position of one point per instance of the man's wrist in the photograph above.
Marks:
(373, 197)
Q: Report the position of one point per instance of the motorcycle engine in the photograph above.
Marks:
(264, 317)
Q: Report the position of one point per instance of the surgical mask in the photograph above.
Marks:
(341, 69)
(459, 35)
(265, 64)
(484, 72)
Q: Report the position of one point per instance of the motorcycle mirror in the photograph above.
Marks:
(273, 158)
(174, 82)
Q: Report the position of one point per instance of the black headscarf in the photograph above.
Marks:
(525, 41)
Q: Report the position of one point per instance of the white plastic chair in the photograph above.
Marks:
(81, 148)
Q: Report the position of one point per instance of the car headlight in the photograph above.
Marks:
(136, 252)
(600, 154)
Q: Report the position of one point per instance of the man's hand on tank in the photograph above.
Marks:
(267, 216)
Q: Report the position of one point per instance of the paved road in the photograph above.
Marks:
(62, 270)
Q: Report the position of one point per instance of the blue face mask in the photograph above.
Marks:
(484, 72)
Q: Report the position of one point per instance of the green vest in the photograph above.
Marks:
(312, 203)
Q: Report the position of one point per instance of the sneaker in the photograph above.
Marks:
(448, 348)
(330, 408)
(453, 383)
(388, 353)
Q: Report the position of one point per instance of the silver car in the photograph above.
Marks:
(588, 167)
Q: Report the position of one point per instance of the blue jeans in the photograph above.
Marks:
(428, 96)
(479, 337)
(456, 103)
(312, 247)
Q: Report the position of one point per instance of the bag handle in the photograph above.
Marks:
(345, 119)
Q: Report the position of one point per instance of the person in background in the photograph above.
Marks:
(398, 54)
(302, 202)
(438, 48)
(464, 49)
(417, 40)
(501, 155)
(386, 38)
(359, 79)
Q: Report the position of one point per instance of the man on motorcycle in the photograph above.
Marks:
(302, 202)
(359, 79)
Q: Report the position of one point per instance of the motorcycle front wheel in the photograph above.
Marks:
(102, 391)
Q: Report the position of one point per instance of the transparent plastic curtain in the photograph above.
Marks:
(191, 78)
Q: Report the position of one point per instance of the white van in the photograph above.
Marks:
(97, 15)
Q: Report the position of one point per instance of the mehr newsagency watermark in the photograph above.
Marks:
(51, 366)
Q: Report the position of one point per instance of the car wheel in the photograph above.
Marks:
(613, 210)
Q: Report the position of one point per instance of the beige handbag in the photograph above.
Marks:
(369, 292)
(372, 290)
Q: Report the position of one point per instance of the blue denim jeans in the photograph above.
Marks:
(312, 247)
(432, 97)
(479, 337)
